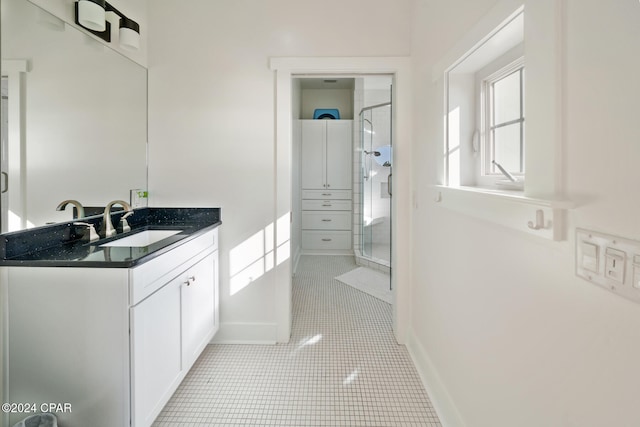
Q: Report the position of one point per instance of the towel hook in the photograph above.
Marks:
(539, 221)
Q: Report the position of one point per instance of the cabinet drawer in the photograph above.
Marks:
(153, 274)
(328, 240)
(327, 194)
(326, 205)
(326, 220)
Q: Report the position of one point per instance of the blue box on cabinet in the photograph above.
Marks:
(326, 113)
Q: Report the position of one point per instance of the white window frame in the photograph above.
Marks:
(487, 117)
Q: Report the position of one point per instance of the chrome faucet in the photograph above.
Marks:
(107, 229)
(75, 203)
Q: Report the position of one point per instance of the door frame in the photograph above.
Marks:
(288, 68)
(15, 71)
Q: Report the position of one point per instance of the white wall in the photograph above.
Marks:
(342, 99)
(506, 333)
(211, 118)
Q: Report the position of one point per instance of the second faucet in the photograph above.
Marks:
(107, 229)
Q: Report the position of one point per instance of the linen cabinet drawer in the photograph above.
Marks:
(327, 194)
(328, 240)
(312, 220)
(326, 205)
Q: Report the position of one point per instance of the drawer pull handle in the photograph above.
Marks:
(326, 220)
(326, 194)
(6, 183)
(327, 205)
(190, 280)
(326, 240)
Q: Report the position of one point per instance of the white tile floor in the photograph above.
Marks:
(342, 367)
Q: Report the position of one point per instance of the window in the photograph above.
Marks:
(503, 120)
(484, 104)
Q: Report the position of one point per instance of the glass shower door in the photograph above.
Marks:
(375, 122)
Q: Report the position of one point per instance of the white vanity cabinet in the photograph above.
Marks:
(169, 330)
(115, 343)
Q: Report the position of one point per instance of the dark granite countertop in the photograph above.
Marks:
(62, 245)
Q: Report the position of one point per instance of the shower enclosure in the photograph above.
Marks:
(376, 162)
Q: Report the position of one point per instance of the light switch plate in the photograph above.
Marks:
(636, 272)
(138, 198)
(590, 256)
(614, 264)
(609, 261)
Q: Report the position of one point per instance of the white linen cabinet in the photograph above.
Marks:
(326, 154)
(326, 178)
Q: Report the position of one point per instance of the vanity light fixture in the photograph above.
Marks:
(91, 15)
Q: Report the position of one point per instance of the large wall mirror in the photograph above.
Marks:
(74, 119)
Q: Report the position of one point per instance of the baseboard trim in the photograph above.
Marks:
(438, 394)
(246, 333)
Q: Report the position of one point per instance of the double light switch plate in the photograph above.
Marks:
(609, 261)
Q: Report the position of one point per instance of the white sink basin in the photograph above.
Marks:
(143, 238)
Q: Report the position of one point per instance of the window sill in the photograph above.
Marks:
(509, 208)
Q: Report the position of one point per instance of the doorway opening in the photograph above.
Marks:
(286, 70)
(341, 175)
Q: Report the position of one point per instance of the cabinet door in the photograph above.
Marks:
(198, 308)
(155, 353)
(313, 154)
(339, 150)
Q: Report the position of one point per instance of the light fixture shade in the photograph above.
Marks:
(91, 14)
(129, 34)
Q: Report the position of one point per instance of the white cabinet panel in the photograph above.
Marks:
(326, 154)
(68, 336)
(313, 154)
(198, 308)
(156, 360)
(339, 149)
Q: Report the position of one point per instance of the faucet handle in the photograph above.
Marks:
(124, 224)
(93, 236)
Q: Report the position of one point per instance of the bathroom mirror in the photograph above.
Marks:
(74, 119)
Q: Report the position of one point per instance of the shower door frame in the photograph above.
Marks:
(370, 256)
